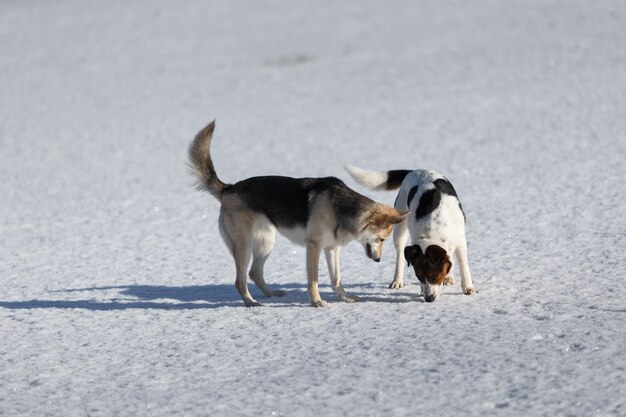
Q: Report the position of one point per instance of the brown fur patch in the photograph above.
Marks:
(385, 216)
(432, 266)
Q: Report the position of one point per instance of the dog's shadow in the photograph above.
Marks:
(124, 297)
(160, 297)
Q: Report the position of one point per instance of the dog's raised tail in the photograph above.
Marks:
(378, 180)
(201, 164)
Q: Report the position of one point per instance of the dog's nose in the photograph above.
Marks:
(376, 259)
(430, 298)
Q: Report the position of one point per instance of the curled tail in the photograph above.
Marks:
(201, 165)
(381, 180)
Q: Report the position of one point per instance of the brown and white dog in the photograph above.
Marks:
(319, 213)
(437, 227)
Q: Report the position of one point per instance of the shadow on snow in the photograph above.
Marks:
(190, 297)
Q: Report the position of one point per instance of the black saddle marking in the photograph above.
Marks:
(430, 200)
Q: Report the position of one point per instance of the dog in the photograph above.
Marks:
(437, 227)
(318, 213)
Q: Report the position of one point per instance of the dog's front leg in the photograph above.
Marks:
(312, 269)
(400, 237)
(466, 277)
(332, 260)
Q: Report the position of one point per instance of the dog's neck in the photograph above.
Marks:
(425, 242)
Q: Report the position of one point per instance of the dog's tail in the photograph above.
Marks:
(381, 180)
(201, 165)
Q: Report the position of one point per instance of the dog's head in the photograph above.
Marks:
(431, 268)
(377, 227)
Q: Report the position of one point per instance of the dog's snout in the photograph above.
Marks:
(430, 298)
(376, 259)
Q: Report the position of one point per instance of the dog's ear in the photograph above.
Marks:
(398, 216)
(435, 254)
(385, 216)
(410, 252)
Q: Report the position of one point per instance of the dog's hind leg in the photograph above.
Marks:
(262, 244)
(400, 237)
(332, 260)
(242, 259)
(236, 232)
(466, 277)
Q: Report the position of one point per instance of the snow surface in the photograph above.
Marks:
(116, 293)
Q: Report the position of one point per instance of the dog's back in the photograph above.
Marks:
(429, 195)
(287, 202)
(434, 203)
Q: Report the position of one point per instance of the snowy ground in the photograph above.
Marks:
(116, 293)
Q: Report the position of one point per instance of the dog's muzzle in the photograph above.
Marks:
(368, 249)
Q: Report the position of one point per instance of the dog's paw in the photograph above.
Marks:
(395, 284)
(470, 291)
(252, 303)
(449, 280)
(352, 299)
(278, 293)
(319, 303)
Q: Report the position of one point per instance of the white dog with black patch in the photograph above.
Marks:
(436, 226)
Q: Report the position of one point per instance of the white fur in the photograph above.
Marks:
(295, 235)
(369, 179)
